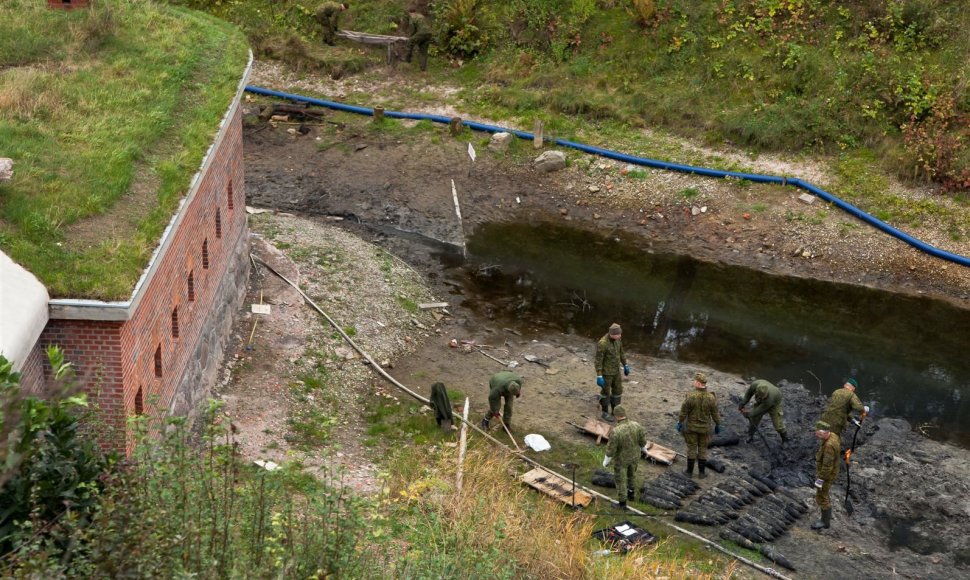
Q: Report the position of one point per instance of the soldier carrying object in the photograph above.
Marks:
(419, 36)
(328, 17)
(626, 443)
(503, 385)
(609, 357)
(767, 398)
(841, 403)
(827, 467)
(699, 410)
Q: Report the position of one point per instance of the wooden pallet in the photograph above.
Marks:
(658, 453)
(557, 487)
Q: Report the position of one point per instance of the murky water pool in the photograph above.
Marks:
(909, 354)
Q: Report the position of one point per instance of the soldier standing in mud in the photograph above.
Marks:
(419, 36)
(827, 465)
(503, 385)
(767, 398)
(609, 357)
(328, 17)
(626, 444)
(699, 411)
(841, 403)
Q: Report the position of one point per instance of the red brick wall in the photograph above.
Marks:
(151, 325)
(122, 354)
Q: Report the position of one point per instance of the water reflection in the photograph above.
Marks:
(908, 353)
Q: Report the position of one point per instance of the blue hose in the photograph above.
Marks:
(645, 162)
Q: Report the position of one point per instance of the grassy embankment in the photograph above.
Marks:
(107, 113)
(877, 91)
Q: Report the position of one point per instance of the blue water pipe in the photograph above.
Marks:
(645, 162)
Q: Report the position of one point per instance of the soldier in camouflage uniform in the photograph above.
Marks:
(609, 357)
(699, 410)
(767, 398)
(328, 17)
(504, 385)
(827, 465)
(841, 403)
(626, 444)
(419, 37)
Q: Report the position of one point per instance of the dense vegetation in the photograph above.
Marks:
(886, 80)
(107, 113)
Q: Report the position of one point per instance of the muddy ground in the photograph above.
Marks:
(912, 512)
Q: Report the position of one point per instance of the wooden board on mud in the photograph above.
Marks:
(600, 429)
(658, 453)
(555, 486)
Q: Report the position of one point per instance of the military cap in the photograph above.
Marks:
(700, 378)
(619, 412)
(822, 426)
(615, 330)
(515, 387)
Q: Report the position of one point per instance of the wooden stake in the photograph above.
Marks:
(537, 134)
(378, 114)
(455, 126)
(462, 443)
(509, 433)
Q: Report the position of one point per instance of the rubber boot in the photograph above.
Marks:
(605, 405)
(751, 431)
(690, 469)
(825, 522)
(485, 424)
(701, 467)
(784, 437)
(621, 505)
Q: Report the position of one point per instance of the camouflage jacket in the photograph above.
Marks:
(626, 442)
(828, 458)
(327, 9)
(498, 385)
(609, 356)
(699, 411)
(766, 395)
(418, 25)
(837, 412)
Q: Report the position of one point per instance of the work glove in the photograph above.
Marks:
(680, 427)
(865, 409)
(717, 429)
(600, 382)
(819, 483)
(606, 460)
(626, 370)
(857, 423)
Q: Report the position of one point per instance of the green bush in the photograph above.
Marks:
(49, 483)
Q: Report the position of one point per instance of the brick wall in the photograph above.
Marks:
(139, 364)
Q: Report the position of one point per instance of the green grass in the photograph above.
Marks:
(94, 103)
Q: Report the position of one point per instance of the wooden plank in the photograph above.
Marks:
(556, 487)
(429, 305)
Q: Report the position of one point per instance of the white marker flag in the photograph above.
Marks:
(471, 151)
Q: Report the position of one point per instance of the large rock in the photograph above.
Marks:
(550, 161)
(500, 142)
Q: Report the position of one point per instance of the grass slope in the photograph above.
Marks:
(123, 98)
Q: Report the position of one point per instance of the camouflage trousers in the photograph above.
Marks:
(611, 391)
(822, 496)
(697, 445)
(776, 413)
(626, 479)
(495, 404)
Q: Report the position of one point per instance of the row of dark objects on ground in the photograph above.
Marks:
(753, 508)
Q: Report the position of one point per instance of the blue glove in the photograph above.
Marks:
(626, 370)
(600, 382)
(680, 427)
(717, 429)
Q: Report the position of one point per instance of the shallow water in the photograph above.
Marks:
(908, 354)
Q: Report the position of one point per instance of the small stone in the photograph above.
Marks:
(593, 189)
(596, 216)
(806, 198)
(642, 222)
(703, 209)
(564, 211)
(500, 142)
(695, 210)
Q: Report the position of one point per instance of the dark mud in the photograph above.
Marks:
(912, 510)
